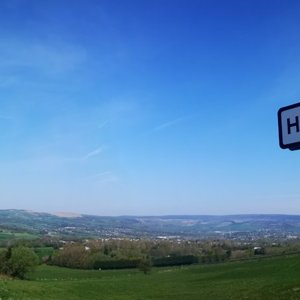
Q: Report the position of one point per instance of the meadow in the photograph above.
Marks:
(8, 235)
(271, 278)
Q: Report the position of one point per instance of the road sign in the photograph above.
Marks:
(289, 127)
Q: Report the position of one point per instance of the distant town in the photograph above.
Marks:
(247, 228)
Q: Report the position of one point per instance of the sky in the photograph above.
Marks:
(148, 107)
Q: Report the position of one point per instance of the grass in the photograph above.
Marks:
(266, 279)
(43, 251)
(6, 236)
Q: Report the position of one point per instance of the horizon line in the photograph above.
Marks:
(69, 214)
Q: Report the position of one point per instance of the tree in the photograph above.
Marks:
(72, 256)
(145, 265)
(19, 261)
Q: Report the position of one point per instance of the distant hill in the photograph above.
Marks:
(66, 214)
(185, 226)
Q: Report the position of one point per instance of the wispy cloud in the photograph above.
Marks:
(167, 124)
(93, 153)
(106, 177)
(48, 58)
(170, 123)
(103, 124)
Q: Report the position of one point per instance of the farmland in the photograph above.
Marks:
(6, 235)
(268, 278)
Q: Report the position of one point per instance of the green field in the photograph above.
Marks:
(7, 235)
(43, 251)
(276, 278)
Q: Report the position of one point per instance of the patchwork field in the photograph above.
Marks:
(276, 278)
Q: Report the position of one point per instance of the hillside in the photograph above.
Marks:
(232, 226)
(267, 279)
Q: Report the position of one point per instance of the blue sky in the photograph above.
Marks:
(148, 107)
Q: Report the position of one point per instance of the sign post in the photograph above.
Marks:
(289, 127)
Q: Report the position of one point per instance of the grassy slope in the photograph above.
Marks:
(277, 278)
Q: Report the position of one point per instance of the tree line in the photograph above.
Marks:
(21, 256)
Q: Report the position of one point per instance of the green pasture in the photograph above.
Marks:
(43, 251)
(7, 235)
(266, 279)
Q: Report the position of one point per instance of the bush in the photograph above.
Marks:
(175, 260)
(18, 261)
(116, 264)
(71, 256)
